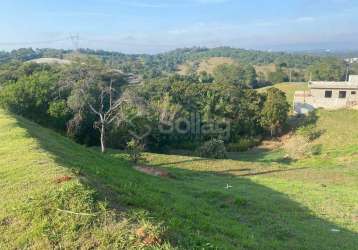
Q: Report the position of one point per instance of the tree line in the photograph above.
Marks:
(95, 105)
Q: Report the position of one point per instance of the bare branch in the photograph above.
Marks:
(94, 110)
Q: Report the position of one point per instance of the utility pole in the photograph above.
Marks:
(347, 72)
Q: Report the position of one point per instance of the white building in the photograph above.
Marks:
(328, 95)
(351, 60)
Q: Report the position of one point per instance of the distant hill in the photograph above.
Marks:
(168, 62)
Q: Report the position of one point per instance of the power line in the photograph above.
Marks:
(34, 42)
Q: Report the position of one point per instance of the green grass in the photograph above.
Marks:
(289, 89)
(273, 203)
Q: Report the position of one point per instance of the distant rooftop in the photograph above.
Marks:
(351, 84)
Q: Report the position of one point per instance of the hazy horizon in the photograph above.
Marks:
(153, 26)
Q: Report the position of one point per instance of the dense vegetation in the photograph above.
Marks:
(94, 101)
(88, 99)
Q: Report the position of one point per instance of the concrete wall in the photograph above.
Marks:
(307, 101)
(320, 101)
(353, 78)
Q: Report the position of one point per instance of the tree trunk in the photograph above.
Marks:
(103, 138)
(272, 131)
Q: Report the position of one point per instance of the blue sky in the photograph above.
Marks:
(159, 25)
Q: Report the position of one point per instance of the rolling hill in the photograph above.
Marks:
(57, 194)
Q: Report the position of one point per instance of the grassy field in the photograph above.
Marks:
(211, 63)
(265, 69)
(57, 194)
(207, 65)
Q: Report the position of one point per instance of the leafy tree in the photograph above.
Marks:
(275, 110)
(234, 74)
(328, 70)
(278, 76)
(60, 113)
(30, 96)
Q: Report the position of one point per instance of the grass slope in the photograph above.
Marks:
(272, 204)
(38, 205)
(288, 88)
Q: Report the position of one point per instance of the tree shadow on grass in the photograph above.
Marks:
(239, 172)
(179, 162)
(264, 156)
(201, 210)
(302, 120)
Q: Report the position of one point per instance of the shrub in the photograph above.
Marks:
(135, 150)
(309, 132)
(213, 149)
(316, 150)
(243, 144)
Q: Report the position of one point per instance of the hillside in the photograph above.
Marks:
(207, 65)
(57, 193)
(48, 202)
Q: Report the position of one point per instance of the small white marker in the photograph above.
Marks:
(335, 230)
(228, 186)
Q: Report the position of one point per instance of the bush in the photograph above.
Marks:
(135, 150)
(213, 149)
(243, 144)
(309, 132)
(316, 150)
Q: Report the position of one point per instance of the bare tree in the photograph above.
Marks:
(97, 89)
(105, 115)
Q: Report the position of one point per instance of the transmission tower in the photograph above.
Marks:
(75, 39)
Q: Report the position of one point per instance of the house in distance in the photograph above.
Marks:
(327, 95)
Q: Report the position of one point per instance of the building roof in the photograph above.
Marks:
(351, 84)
